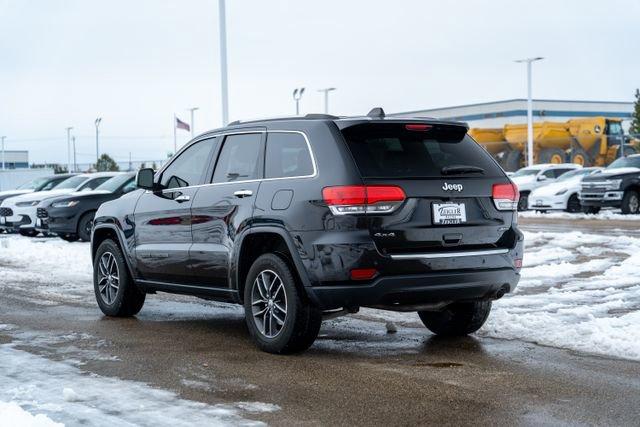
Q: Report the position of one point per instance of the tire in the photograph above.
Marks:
(513, 161)
(580, 157)
(69, 237)
(573, 204)
(523, 203)
(457, 319)
(271, 332)
(28, 233)
(630, 202)
(84, 226)
(591, 209)
(552, 155)
(128, 299)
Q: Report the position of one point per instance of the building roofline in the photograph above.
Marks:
(478, 104)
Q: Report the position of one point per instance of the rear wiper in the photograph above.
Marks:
(460, 169)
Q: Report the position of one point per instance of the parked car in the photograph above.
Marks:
(618, 186)
(19, 213)
(310, 217)
(71, 216)
(561, 194)
(529, 178)
(39, 184)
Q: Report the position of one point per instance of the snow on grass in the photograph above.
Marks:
(63, 393)
(12, 415)
(605, 214)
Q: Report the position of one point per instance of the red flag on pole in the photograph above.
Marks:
(182, 125)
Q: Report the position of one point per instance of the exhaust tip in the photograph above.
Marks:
(503, 290)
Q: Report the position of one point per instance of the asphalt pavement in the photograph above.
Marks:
(355, 374)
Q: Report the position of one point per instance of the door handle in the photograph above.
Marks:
(182, 198)
(243, 193)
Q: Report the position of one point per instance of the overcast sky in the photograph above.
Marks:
(135, 63)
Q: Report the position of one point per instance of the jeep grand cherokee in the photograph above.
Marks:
(310, 217)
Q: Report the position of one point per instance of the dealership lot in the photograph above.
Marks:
(563, 348)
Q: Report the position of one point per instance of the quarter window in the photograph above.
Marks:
(188, 169)
(287, 156)
(238, 160)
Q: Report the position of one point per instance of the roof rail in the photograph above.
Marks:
(321, 116)
(311, 116)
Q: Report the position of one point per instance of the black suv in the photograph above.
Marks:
(310, 217)
(617, 186)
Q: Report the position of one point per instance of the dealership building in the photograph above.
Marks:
(497, 114)
(14, 159)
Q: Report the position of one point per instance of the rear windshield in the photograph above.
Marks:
(385, 150)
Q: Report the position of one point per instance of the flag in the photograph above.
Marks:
(182, 125)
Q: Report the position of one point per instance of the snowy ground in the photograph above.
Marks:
(605, 214)
(579, 290)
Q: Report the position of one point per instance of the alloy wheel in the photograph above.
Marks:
(108, 278)
(269, 303)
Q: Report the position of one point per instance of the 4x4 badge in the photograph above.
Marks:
(452, 187)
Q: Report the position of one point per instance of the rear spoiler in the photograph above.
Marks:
(443, 130)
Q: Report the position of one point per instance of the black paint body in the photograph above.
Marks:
(198, 247)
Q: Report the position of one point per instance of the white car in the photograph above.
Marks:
(529, 178)
(19, 213)
(562, 193)
(38, 184)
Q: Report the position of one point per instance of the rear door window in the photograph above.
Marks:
(287, 156)
(391, 150)
(239, 158)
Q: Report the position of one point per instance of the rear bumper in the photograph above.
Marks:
(432, 288)
(403, 279)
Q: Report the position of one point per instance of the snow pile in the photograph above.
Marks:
(49, 266)
(566, 299)
(65, 393)
(602, 215)
(12, 415)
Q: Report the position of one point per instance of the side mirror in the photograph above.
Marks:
(144, 179)
(542, 178)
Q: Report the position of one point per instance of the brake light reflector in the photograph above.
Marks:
(363, 273)
(361, 199)
(418, 127)
(505, 196)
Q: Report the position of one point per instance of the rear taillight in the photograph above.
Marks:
(505, 196)
(362, 199)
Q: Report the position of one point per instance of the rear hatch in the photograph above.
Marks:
(449, 181)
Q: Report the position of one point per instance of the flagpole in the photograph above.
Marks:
(175, 145)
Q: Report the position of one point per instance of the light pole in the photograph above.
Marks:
(3, 138)
(192, 122)
(98, 120)
(297, 94)
(326, 97)
(75, 163)
(223, 63)
(529, 61)
(69, 148)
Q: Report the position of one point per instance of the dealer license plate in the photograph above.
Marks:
(449, 213)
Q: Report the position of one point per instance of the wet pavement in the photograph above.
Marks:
(356, 373)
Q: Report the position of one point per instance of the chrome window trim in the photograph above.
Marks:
(450, 254)
(223, 134)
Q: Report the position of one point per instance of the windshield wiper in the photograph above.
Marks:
(460, 169)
